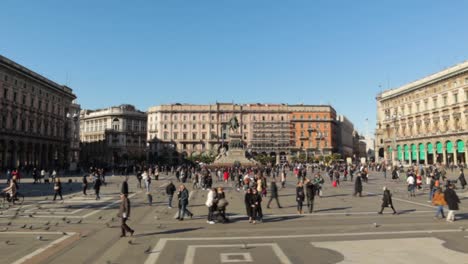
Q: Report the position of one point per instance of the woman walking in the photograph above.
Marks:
(452, 201)
(58, 189)
(300, 197)
(358, 186)
(210, 203)
(387, 201)
(248, 204)
(462, 179)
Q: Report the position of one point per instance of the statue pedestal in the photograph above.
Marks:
(235, 155)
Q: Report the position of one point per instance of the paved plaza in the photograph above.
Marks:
(342, 229)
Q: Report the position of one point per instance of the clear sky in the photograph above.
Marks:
(198, 51)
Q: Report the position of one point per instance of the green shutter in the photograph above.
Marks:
(406, 152)
(414, 152)
(422, 152)
(460, 146)
(400, 154)
(449, 147)
(439, 148)
(430, 149)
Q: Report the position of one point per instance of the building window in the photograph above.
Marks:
(203, 126)
(194, 136)
(203, 136)
(175, 126)
(175, 136)
(185, 126)
(455, 98)
(14, 96)
(165, 136)
(5, 93)
(194, 126)
(444, 100)
(165, 126)
(194, 118)
(184, 136)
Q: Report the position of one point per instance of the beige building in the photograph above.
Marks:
(425, 121)
(34, 128)
(268, 129)
(113, 136)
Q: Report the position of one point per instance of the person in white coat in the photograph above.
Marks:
(210, 203)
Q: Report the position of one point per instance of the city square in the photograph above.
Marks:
(161, 132)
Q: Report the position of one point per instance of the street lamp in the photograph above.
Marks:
(394, 118)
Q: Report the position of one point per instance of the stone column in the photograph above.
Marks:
(444, 155)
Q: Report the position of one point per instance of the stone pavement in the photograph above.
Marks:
(342, 229)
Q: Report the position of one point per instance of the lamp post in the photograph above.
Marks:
(394, 118)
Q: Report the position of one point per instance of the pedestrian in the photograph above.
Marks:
(452, 200)
(97, 187)
(170, 190)
(273, 194)
(124, 187)
(283, 178)
(211, 204)
(248, 204)
(439, 200)
(221, 205)
(139, 177)
(124, 214)
(147, 180)
(58, 189)
(35, 175)
(54, 176)
(258, 207)
(183, 196)
(387, 201)
(411, 185)
(299, 196)
(462, 179)
(358, 185)
(85, 184)
(310, 193)
(46, 176)
(226, 176)
(255, 200)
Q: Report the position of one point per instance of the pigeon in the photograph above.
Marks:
(64, 233)
(108, 225)
(30, 216)
(64, 219)
(148, 250)
(47, 223)
(30, 227)
(56, 224)
(130, 242)
(100, 217)
(39, 238)
(79, 221)
(7, 242)
(68, 222)
(23, 226)
(47, 228)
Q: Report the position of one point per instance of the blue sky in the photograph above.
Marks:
(197, 51)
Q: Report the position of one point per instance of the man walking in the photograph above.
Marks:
(124, 214)
(170, 190)
(310, 193)
(387, 201)
(183, 196)
(273, 194)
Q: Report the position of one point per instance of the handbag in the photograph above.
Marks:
(335, 184)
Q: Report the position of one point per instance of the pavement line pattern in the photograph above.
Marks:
(322, 214)
(156, 252)
(398, 250)
(42, 249)
(190, 255)
(406, 201)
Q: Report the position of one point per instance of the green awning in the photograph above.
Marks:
(439, 148)
(430, 149)
(414, 152)
(422, 152)
(400, 153)
(460, 146)
(406, 152)
(449, 147)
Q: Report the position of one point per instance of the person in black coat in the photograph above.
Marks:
(387, 201)
(255, 203)
(170, 190)
(124, 187)
(300, 197)
(452, 200)
(273, 194)
(358, 186)
(97, 187)
(248, 204)
(85, 184)
(310, 193)
(462, 179)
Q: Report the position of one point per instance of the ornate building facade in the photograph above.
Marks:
(34, 127)
(425, 122)
(268, 129)
(314, 129)
(113, 136)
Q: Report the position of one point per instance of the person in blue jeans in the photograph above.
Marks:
(439, 200)
(183, 196)
(170, 190)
